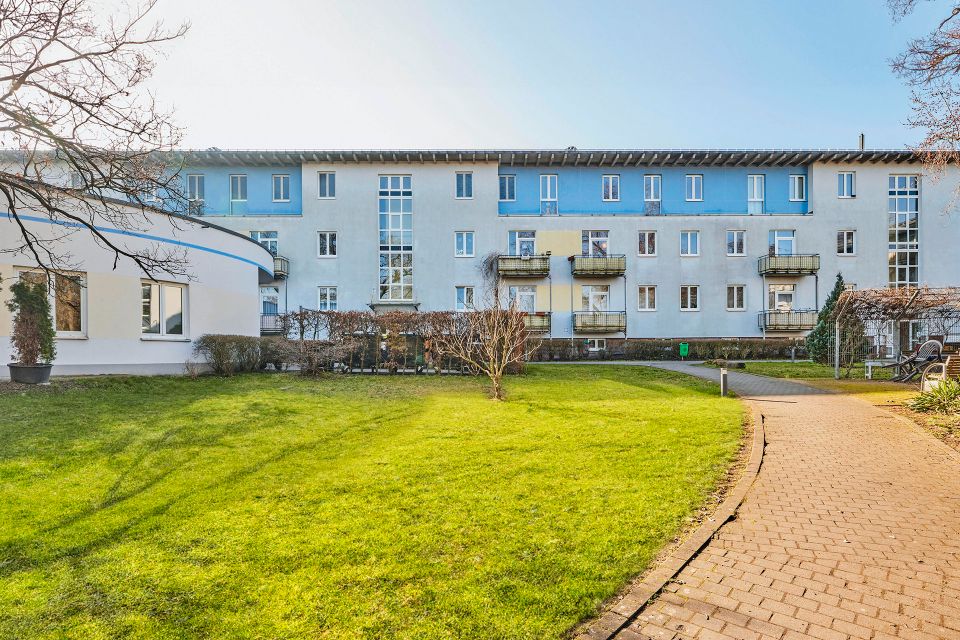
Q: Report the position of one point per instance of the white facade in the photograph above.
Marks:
(109, 332)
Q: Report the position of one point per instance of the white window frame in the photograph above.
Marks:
(776, 241)
(787, 291)
(690, 288)
(456, 244)
(647, 232)
(609, 184)
(515, 249)
(798, 188)
(336, 297)
(695, 234)
(329, 235)
(516, 292)
(643, 293)
(549, 193)
(284, 179)
(743, 236)
(693, 187)
(596, 344)
(161, 303)
(469, 301)
(743, 297)
(853, 235)
(240, 178)
(275, 240)
(196, 184)
(463, 179)
(595, 292)
(842, 185)
(505, 184)
(330, 177)
(51, 284)
(589, 236)
(756, 192)
(652, 185)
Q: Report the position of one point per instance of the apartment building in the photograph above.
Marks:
(593, 244)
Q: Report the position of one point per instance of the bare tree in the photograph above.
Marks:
(490, 339)
(85, 144)
(930, 65)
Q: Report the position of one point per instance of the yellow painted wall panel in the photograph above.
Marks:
(559, 243)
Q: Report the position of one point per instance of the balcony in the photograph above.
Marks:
(600, 321)
(538, 322)
(793, 320)
(270, 324)
(598, 266)
(281, 268)
(537, 266)
(788, 265)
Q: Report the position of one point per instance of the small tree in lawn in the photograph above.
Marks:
(33, 334)
(819, 340)
(489, 340)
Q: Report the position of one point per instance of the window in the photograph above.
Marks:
(596, 344)
(268, 239)
(162, 309)
(269, 301)
(846, 184)
(326, 244)
(395, 204)
(595, 297)
(647, 297)
(508, 188)
(611, 188)
(195, 192)
(463, 244)
(68, 301)
(548, 194)
(524, 297)
(326, 185)
(781, 297)
(689, 243)
(651, 194)
(736, 297)
(755, 193)
(647, 244)
(846, 243)
(736, 242)
(903, 213)
(798, 188)
(464, 185)
(464, 299)
(594, 243)
(238, 188)
(281, 188)
(690, 297)
(326, 298)
(694, 188)
(522, 243)
(780, 242)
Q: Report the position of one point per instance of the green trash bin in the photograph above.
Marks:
(684, 349)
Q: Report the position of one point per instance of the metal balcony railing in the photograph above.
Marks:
(788, 265)
(270, 324)
(536, 266)
(281, 267)
(793, 320)
(609, 265)
(599, 321)
(537, 322)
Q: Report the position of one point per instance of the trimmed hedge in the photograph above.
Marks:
(657, 349)
(229, 354)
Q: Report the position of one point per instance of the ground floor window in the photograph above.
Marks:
(396, 275)
(162, 309)
(647, 297)
(68, 300)
(326, 298)
(596, 344)
(464, 298)
(736, 297)
(690, 297)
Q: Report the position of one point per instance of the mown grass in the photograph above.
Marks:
(271, 506)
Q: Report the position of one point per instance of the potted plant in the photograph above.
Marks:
(33, 334)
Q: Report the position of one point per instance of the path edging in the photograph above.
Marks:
(619, 615)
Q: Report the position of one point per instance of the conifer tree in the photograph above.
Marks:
(818, 341)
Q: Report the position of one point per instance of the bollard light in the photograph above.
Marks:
(723, 382)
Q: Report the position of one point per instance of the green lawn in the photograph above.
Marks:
(803, 370)
(270, 506)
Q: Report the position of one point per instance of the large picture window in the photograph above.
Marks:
(395, 202)
(903, 217)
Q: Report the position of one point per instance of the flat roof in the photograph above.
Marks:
(570, 157)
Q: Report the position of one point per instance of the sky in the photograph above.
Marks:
(349, 74)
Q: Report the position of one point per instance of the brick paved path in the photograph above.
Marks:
(851, 530)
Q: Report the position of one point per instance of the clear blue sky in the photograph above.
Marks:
(523, 73)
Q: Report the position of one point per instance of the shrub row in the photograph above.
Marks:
(229, 354)
(656, 349)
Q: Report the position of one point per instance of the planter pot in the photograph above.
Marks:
(30, 374)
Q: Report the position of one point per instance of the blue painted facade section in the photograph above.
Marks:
(724, 190)
(259, 190)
